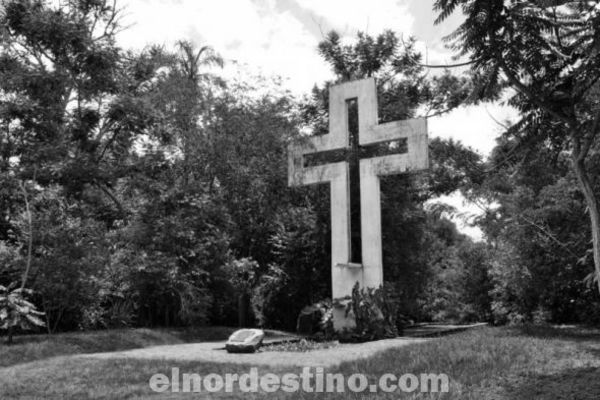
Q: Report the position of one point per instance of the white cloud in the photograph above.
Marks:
(475, 126)
(257, 35)
(349, 16)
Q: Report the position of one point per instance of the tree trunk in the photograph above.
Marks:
(243, 303)
(30, 239)
(593, 209)
(9, 339)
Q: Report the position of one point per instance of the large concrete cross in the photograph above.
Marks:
(369, 273)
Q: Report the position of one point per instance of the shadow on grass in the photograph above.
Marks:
(572, 384)
(568, 332)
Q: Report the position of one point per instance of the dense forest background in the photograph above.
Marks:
(142, 189)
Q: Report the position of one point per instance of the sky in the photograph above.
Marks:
(280, 37)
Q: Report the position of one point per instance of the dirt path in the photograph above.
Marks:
(214, 352)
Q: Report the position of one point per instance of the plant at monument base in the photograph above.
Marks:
(374, 312)
(316, 321)
(326, 323)
(17, 312)
(302, 346)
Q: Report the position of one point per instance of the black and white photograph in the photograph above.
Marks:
(300, 199)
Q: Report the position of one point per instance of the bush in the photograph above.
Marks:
(16, 312)
(69, 259)
(300, 273)
(270, 298)
(320, 317)
(375, 313)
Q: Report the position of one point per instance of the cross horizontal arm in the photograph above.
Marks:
(298, 175)
(387, 165)
(393, 131)
(417, 158)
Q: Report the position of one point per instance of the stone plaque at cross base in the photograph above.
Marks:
(345, 272)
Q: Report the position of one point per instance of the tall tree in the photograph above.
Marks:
(547, 52)
(183, 97)
(69, 106)
(72, 107)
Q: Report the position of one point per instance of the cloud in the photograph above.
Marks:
(259, 34)
(275, 37)
(475, 126)
(350, 16)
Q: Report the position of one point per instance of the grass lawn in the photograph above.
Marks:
(490, 363)
(37, 347)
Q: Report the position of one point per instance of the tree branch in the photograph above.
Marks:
(113, 198)
(549, 235)
(446, 66)
(531, 96)
(588, 140)
(30, 239)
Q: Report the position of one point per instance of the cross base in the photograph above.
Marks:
(349, 265)
(341, 321)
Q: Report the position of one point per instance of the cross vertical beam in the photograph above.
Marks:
(369, 273)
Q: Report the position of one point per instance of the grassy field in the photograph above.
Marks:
(37, 347)
(490, 363)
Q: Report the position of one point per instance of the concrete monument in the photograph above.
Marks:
(368, 271)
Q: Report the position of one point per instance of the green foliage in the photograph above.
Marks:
(16, 312)
(269, 300)
(374, 312)
(169, 253)
(242, 273)
(320, 321)
(475, 281)
(402, 83)
(247, 160)
(457, 290)
(362, 59)
(546, 54)
(326, 330)
(69, 255)
(68, 108)
(539, 255)
(239, 278)
(11, 262)
(159, 192)
(301, 346)
(299, 275)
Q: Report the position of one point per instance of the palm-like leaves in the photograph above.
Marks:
(16, 311)
(192, 61)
